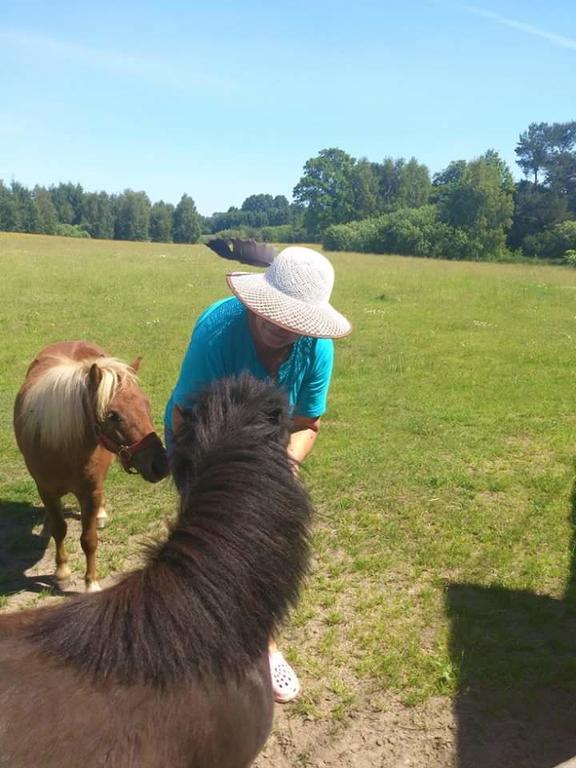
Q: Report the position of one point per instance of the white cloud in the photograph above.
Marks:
(552, 37)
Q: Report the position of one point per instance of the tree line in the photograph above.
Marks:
(67, 209)
(471, 209)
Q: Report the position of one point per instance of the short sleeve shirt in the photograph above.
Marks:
(222, 346)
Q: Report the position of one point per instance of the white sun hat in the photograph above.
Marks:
(293, 293)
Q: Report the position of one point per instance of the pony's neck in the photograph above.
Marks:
(211, 596)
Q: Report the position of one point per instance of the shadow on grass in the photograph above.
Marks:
(21, 548)
(515, 656)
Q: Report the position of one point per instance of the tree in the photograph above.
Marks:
(402, 184)
(10, 220)
(186, 224)
(28, 214)
(47, 214)
(365, 188)
(229, 219)
(414, 184)
(132, 216)
(532, 149)
(255, 210)
(479, 201)
(296, 215)
(388, 173)
(98, 215)
(261, 210)
(552, 243)
(536, 208)
(68, 200)
(259, 203)
(561, 167)
(161, 215)
(326, 190)
(450, 175)
(280, 212)
(548, 153)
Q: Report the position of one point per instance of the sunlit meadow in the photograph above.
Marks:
(446, 456)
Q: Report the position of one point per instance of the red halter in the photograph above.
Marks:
(124, 452)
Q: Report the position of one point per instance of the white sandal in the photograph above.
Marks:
(285, 685)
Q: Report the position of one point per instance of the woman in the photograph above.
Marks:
(280, 325)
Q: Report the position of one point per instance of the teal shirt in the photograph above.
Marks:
(222, 345)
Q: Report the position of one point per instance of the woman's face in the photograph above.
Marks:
(270, 335)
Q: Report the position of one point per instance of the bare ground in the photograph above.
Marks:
(379, 731)
(393, 737)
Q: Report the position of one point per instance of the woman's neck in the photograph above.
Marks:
(270, 357)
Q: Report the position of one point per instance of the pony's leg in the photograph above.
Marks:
(90, 504)
(55, 515)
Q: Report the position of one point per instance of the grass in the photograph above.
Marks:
(443, 475)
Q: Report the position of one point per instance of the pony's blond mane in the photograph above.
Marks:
(53, 409)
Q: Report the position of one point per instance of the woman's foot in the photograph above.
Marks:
(285, 684)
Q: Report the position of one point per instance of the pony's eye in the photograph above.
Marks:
(113, 417)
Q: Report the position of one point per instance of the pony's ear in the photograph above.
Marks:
(94, 377)
(136, 364)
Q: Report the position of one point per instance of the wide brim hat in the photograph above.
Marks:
(293, 293)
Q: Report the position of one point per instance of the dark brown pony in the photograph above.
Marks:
(169, 668)
(76, 409)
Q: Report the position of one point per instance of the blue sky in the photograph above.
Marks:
(226, 99)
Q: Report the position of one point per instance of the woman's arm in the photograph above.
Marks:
(304, 433)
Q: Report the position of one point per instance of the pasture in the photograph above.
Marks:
(443, 479)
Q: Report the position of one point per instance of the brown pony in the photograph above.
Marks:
(169, 667)
(76, 408)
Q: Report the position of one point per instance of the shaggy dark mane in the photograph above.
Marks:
(211, 596)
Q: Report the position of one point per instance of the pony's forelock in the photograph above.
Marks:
(53, 409)
(114, 374)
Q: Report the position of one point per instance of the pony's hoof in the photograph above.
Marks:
(101, 519)
(93, 586)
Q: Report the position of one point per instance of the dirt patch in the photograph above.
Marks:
(27, 557)
(396, 736)
(464, 733)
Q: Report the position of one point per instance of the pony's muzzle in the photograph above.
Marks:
(152, 461)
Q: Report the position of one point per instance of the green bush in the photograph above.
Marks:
(283, 233)
(354, 236)
(553, 242)
(409, 231)
(71, 230)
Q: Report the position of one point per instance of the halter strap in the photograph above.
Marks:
(123, 451)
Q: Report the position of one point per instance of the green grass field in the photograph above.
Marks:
(445, 463)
